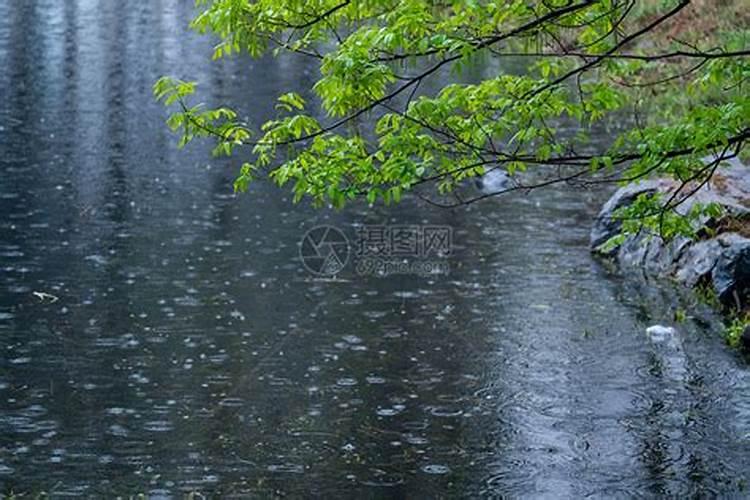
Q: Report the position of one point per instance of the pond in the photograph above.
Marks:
(160, 336)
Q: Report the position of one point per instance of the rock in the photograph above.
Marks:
(669, 254)
(730, 187)
(745, 338)
(606, 225)
(697, 262)
(494, 181)
(632, 252)
(718, 258)
(731, 275)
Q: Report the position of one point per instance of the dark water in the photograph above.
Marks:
(190, 351)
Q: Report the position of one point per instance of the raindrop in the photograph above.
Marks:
(158, 426)
(286, 468)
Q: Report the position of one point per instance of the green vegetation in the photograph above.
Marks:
(672, 78)
(737, 325)
(680, 315)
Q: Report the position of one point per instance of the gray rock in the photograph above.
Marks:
(632, 253)
(731, 275)
(697, 263)
(670, 254)
(745, 339)
(722, 262)
(606, 225)
(493, 181)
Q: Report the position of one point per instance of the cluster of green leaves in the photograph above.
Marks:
(195, 121)
(374, 56)
(735, 328)
(656, 215)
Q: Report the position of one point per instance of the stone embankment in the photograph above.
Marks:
(719, 258)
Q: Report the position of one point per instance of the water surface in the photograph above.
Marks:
(189, 350)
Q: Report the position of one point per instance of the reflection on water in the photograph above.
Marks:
(183, 347)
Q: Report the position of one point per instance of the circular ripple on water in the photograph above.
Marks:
(514, 477)
(416, 440)
(450, 398)
(33, 411)
(383, 479)
(387, 412)
(286, 469)
(118, 430)
(158, 426)
(160, 494)
(231, 402)
(446, 411)
(416, 425)
(436, 469)
(579, 444)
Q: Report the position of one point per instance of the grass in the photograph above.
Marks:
(701, 22)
